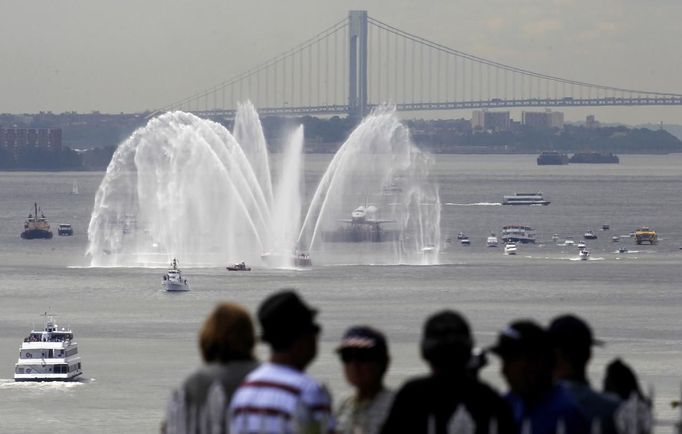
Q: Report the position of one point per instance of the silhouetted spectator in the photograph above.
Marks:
(364, 354)
(279, 397)
(572, 340)
(451, 399)
(200, 404)
(634, 415)
(527, 364)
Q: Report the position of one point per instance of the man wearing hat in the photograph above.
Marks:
(451, 397)
(572, 340)
(278, 396)
(364, 354)
(538, 404)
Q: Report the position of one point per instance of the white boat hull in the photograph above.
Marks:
(48, 377)
(172, 286)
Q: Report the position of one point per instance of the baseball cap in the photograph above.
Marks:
(363, 339)
(521, 338)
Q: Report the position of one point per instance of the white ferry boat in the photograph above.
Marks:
(525, 199)
(173, 280)
(49, 354)
(518, 234)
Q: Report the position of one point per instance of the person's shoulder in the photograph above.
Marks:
(417, 383)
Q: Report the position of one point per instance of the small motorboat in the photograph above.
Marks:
(622, 250)
(465, 241)
(64, 229)
(589, 235)
(241, 266)
(510, 249)
(173, 280)
(615, 239)
(555, 237)
(584, 255)
(581, 245)
(492, 241)
(461, 236)
(427, 250)
(569, 242)
(605, 227)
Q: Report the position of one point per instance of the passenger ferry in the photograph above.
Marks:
(518, 234)
(525, 199)
(49, 354)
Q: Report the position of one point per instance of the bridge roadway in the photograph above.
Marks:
(459, 105)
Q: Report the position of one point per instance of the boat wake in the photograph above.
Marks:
(40, 386)
(474, 204)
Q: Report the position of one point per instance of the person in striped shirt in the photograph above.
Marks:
(279, 397)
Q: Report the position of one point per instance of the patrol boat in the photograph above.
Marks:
(173, 280)
(49, 354)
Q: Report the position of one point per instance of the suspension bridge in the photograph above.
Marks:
(361, 62)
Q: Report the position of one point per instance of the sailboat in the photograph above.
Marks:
(74, 188)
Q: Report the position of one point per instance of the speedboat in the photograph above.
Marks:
(589, 235)
(241, 266)
(581, 245)
(584, 255)
(49, 354)
(510, 249)
(465, 241)
(622, 250)
(605, 227)
(173, 280)
(569, 242)
(461, 236)
(615, 239)
(492, 241)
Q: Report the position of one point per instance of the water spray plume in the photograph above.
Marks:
(186, 187)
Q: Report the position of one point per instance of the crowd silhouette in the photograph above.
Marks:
(545, 369)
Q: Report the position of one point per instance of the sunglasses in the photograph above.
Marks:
(353, 355)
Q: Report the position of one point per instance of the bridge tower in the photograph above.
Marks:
(357, 74)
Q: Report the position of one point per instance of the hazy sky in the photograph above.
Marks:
(127, 56)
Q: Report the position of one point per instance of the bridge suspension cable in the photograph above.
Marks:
(360, 62)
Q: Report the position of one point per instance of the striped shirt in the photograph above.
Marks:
(279, 399)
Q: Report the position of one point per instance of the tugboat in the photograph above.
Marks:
(172, 280)
(646, 235)
(285, 259)
(241, 266)
(36, 227)
(49, 354)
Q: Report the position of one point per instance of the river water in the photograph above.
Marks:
(138, 342)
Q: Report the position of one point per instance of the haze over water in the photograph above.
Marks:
(138, 342)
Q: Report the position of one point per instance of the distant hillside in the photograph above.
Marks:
(674, 129)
